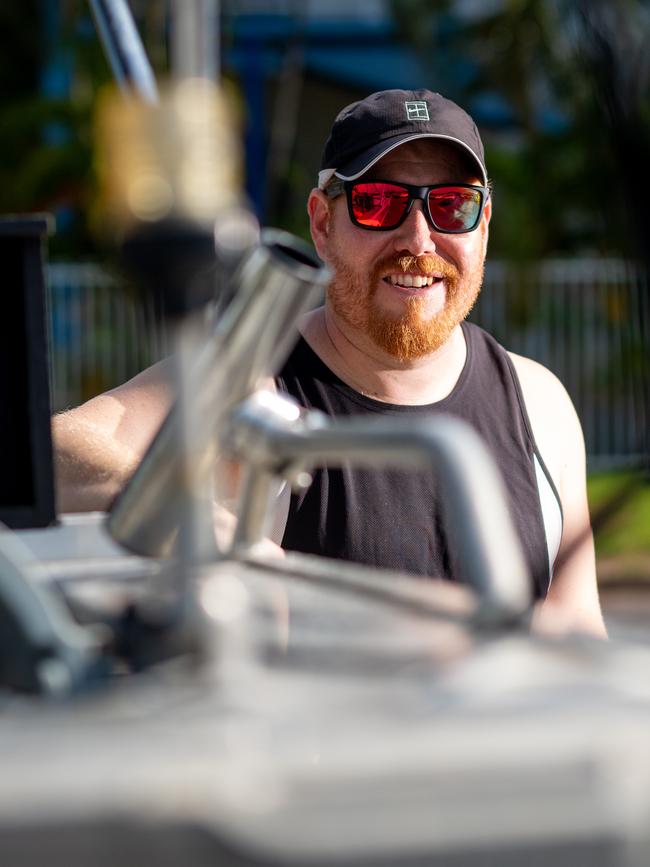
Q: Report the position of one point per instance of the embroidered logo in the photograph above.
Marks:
(416, 110)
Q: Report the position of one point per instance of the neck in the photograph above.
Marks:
(353, 357)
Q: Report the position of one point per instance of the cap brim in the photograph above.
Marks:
(358, 166)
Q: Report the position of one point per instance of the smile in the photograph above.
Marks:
(413, 281)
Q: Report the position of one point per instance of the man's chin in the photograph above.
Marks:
(413, 334)
(406, 340)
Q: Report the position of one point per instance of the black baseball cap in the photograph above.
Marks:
(365, 131)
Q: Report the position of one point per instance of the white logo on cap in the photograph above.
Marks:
(416, 110)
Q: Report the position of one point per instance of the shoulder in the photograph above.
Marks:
(553, 419)
(533, 375)
(572, 601)
(542, 390)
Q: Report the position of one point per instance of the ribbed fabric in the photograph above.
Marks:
(392, 518)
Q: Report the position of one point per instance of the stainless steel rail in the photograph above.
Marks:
(124, 50)
(277, 282)
(277, 439)
(42, 650)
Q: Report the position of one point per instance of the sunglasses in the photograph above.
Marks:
(384, 205)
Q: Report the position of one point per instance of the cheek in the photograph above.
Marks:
(355, 247)
(469, 250)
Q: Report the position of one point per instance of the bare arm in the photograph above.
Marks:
(98, 445)
(572, 602)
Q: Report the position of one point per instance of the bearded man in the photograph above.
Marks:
(401, 217)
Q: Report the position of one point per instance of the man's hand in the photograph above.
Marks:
(224, 522)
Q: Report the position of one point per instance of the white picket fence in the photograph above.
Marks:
(585, 319)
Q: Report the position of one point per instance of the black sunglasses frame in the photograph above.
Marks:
(336, 187)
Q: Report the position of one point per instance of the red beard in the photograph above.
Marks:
(413, 334)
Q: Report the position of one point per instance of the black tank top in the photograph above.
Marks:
(391, 518)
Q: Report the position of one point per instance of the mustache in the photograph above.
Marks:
(424, 265)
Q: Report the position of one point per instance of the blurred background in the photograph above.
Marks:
(561, 93)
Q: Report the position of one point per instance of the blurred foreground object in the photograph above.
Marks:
(503, 749)
(124, 50)
(177, 158)
(277, 282)
(26, 482)
(171, 188)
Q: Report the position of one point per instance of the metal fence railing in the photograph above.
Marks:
(585, 319)
(100, 334)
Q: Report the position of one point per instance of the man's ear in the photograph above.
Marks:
(485, 223)
(487, 210)
(318, 207)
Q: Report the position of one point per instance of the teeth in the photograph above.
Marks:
(415, 281)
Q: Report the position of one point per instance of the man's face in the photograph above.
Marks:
(406, 289)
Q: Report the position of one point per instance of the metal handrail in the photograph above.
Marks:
(276, 439)
(124, 49)
(280, 280)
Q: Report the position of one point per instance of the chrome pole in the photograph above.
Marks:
(279, 280)
(277, 439)
(195, 39)
(124, 49)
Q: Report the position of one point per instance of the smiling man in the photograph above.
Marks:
(401, 216)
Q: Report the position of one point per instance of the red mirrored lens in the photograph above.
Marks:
(380, 205)
(455, 209)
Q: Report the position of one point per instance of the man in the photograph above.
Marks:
(401, 216)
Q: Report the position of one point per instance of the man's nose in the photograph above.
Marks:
(415, 234)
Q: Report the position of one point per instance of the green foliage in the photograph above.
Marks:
(555, 167)
(625, 497)
(46, 143)
(19, 57)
